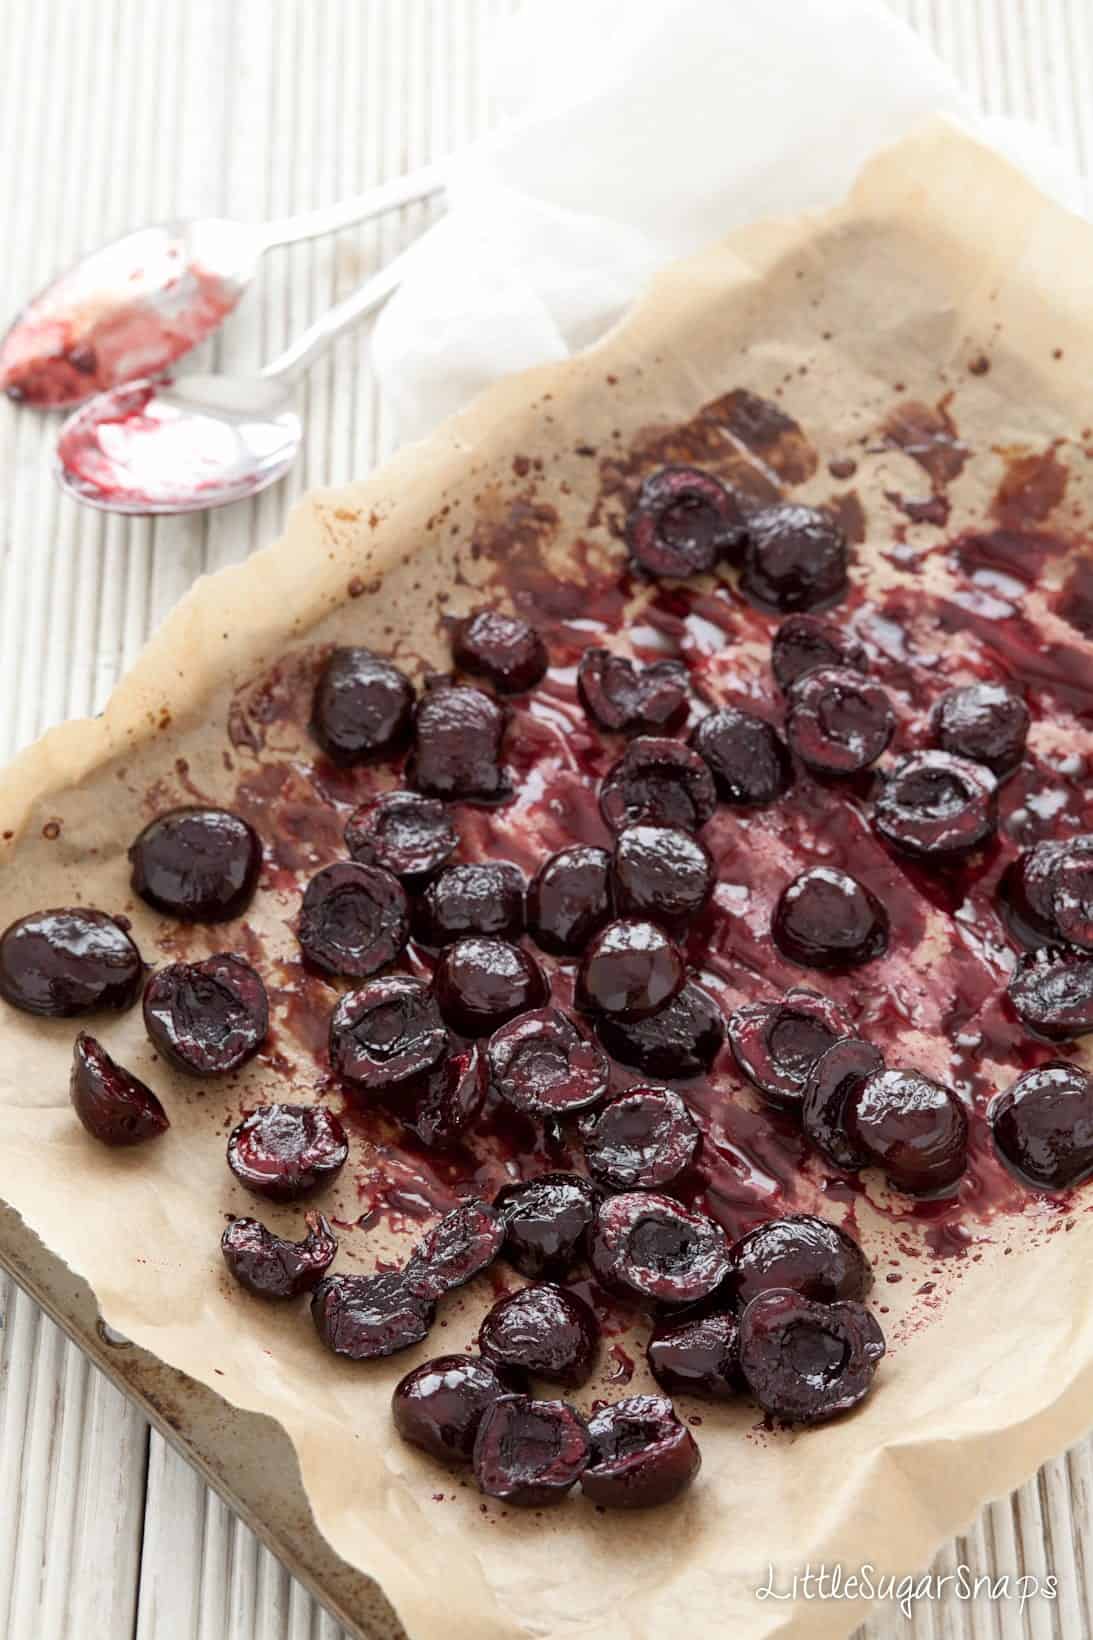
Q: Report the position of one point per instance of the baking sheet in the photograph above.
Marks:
(941, 254)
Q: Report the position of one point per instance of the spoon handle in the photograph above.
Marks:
(290, 365)
(388, 196)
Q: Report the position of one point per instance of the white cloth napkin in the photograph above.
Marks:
(638, 131)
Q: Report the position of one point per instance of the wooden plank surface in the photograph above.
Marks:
(118, 111)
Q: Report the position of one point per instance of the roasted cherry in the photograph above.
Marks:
(543, 1330)
(839, 722)
(630, 969)
(363, 707)
(404, 833)
(271, 1267)
(1052, 993)
(63, 963)
(484, 898)
(439, 1405)
(367, 1317)
(776, 1044)
(546, 1222)
(746, 754)
(796, 558)
(827, 919)
(386, 1034)
(681, 1039)
(569, 899)
(912, 1127)
(286, 1151)
(529, 1453)
(1047, 893)
(805, 1254)
(207, 1018)
(200, 865)
(640, 1141)
(648, 1246)
(661, 872)
(683, 521)
(624, 698)
(455, 1250)
(457, 745)
(986, 722)
(832, 1085)
(696, 1355)
(354, 919)
(1043, 1125)
(444, 1104)
(804, 642)
(502, 648)
(804, 1361)
(481, 983)
(659, 782)
(541, 1064)
(641, 1456)
(113, 1105)
(936, 806)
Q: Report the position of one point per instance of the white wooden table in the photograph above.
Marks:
(114, 112)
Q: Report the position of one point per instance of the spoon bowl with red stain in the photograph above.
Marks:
(131, 309)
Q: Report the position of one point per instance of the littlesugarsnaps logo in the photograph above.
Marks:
(835, 1582)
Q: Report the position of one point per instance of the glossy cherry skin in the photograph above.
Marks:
(459, 1247)
(354, 920)
(1043, 1126)
(805, 1254)
(912, 1127)
(622, 697)
(647, 1246)
(830, 1090)
(642, 1455)
(271, 1267)
(681, 1039)
(199, 865)
(658, 782)
(404, 833)
(207, 1018)
(529, 1453)
(457, 746)
(1046, 894)
(546, 1223)
(287, 1151)
(746, 755)
(1072, 897)
(439, 1405)
(806, 1362)
(363, 707)
(796, 558)
(935, 806)
(839, 722)
(986, 722)
(365, 1318)
(661, 873)
(386, 1033)
(484, 898)
(480, 983)
(1051, 993)
(683, 521)
(114, 1106)
(543, 1330)
(642, 1140)
(776, 1044)
(441, 1107)
(541, 1064)
(804, 642)
(61, 964)
(502, 648)
(697, 1355)
(827, 919)
(630, 969)
(569, 899)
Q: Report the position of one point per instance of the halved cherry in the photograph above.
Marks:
(114, 1105)
(642, 1455)
(541, 1064)
(777, 1043)
(647, 1246)
(271, 1267)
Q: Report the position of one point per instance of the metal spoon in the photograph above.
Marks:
(205, 440)
(132, 308)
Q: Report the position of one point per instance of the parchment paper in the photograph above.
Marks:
(941, 254)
